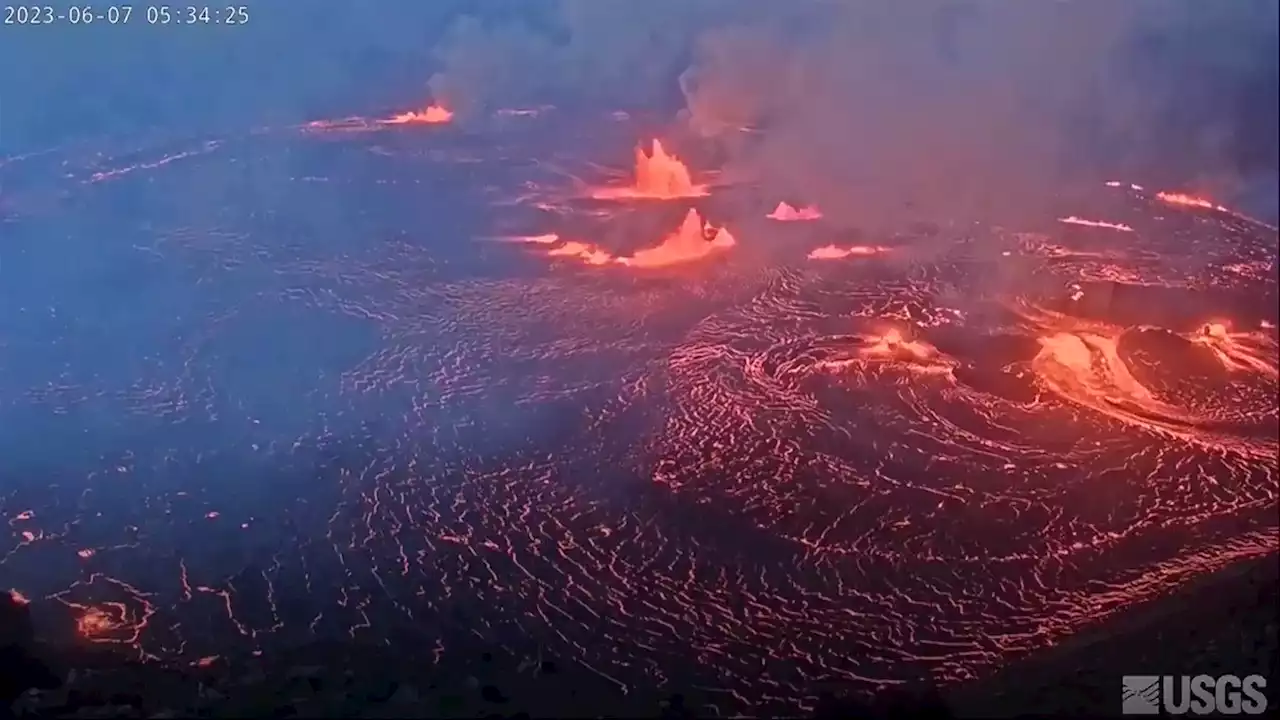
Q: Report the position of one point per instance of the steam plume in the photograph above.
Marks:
(927, 110)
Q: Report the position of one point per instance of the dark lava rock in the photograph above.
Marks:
(381, 689)
(20, 669)
(492, 694)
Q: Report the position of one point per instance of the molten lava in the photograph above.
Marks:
(1239, 352)
(433, 115)
(1131, 186)
(693, 240)
(95, 622)
(1073, 220)
(659, 175)
(786, 213)
(18, 598)
(892, 344)
(582, 251)
(1188, 201)
(1191, 201)
(834, 252)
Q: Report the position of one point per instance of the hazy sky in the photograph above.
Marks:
(904, 102)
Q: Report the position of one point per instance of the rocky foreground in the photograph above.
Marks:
(1226, 623)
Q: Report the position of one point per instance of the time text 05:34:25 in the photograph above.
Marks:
(126, 14)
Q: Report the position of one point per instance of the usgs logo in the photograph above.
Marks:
(1198, 695)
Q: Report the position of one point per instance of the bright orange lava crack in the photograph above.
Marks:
(1073, 220)
(935, 521)
(1185, 200)
(835, 252)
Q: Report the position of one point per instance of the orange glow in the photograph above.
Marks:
(433, 115)
(1080, 361)
(1237, 351)
(1191, 201)
(786, 213)
(1188, 201)
(893, 344)
(1073, 220)
(693, 240)
(659, 175)
(582, 251)
(19, 598)
(833, 252)
(95, 622)
(1131, 186)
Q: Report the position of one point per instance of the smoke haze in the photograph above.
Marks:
(878, 111)
(926, 110)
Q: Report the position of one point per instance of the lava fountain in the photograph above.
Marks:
(432, 115)
(788, 213)
(659, 175)
(693, 240)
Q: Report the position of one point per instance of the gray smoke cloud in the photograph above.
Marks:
(928, 110)
(622, 53)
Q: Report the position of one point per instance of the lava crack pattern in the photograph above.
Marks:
(348, 419)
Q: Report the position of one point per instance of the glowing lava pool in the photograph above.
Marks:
(305, 383)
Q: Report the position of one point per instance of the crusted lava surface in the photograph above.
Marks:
(300, 383)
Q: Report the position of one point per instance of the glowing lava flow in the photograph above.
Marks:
(1239, 351)
(582, 251)
(96, 622)
(1189, 201)
(786, 213)
(1073, 220)
(748, 476)
(893, 344)
(693, 240)
(433, 115)
(659, 175)
(1131, 186)
(835, 252)
(1082, 362)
